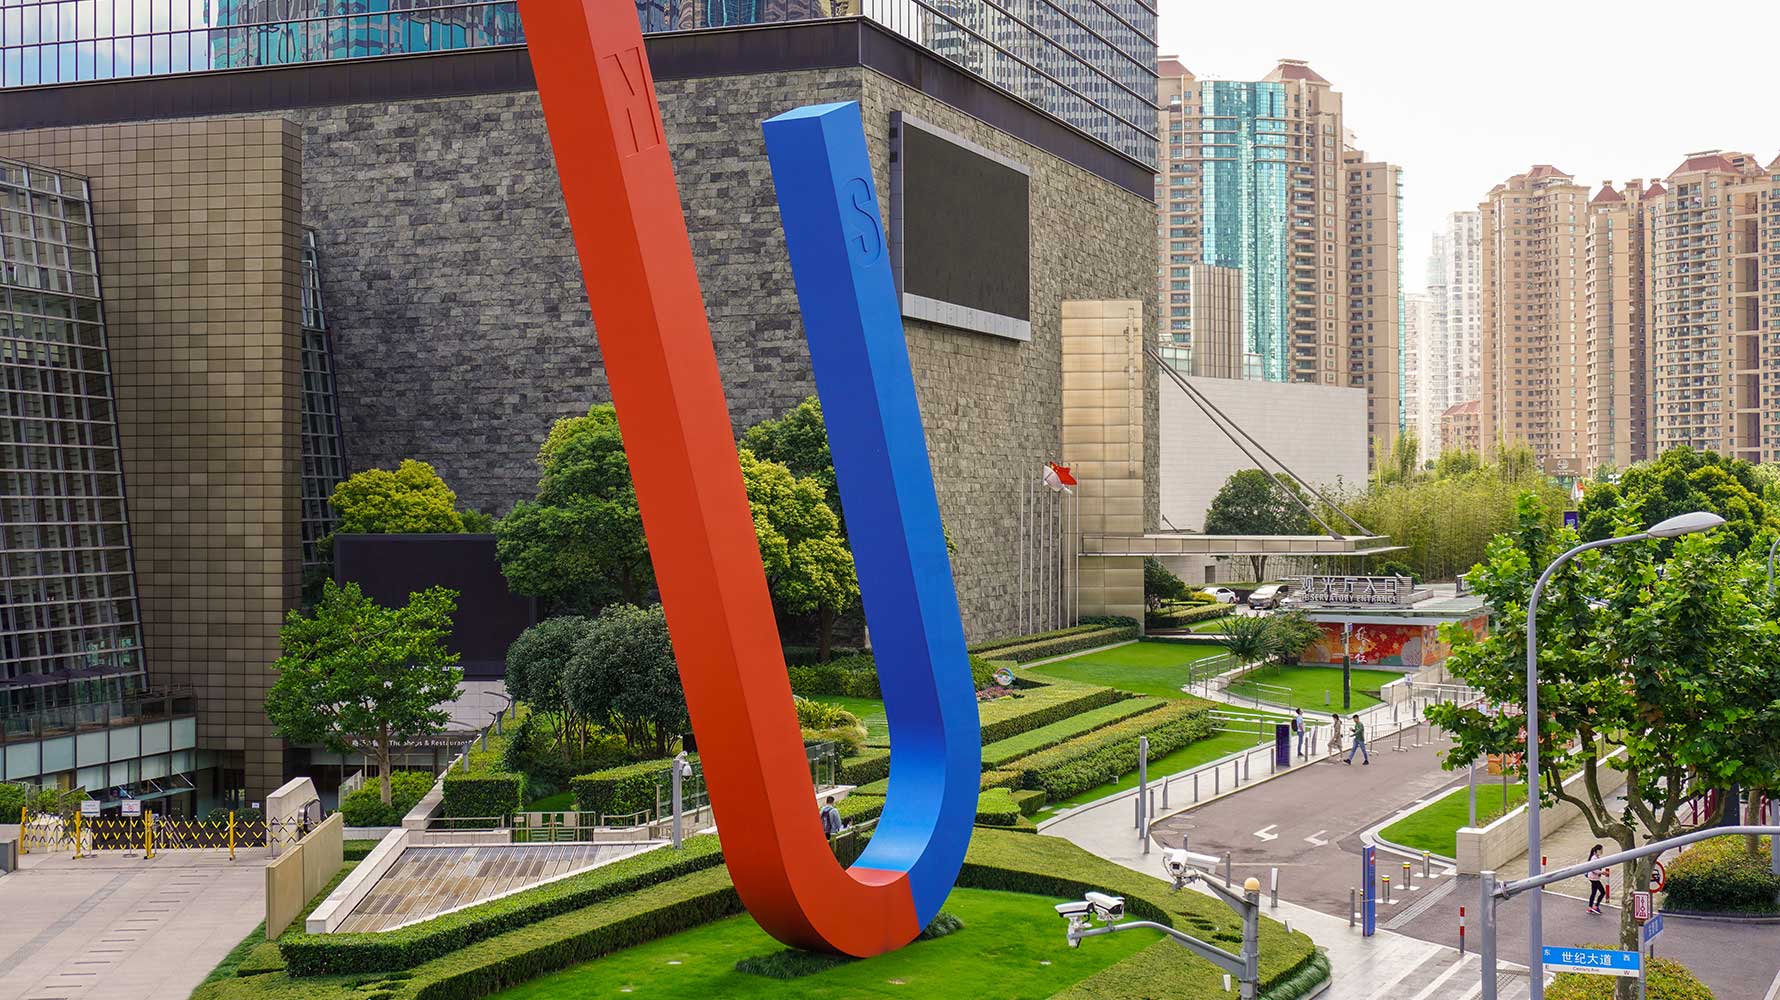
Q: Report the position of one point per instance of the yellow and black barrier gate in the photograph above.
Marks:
(149, 833)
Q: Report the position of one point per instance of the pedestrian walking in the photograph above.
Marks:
(831, 819)
(1301, 731)
(1359, 742)
(1597, 883)
(1335, 738)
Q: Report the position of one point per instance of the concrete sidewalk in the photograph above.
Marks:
(121, 927)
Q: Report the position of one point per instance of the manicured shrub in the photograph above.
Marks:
(1003, 752)
(858, 808)
(1030, 800)
(824, 723)
(803, 656)
(1720, 876)
(1040, 706)
(1043, 649)
(854, 676)
(1110, 753)
(620, 791)
(1026, 640)
(364, 805)
(407, 947)
(1665, 979)
(996, 807)
(358, 850)
(656, 912)
(482, 796)
(999, 779)
(220, 815)
(1170, 618)
(982, 672)
(943, 923)
(871, 764)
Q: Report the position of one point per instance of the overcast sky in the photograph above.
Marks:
(1464, 95)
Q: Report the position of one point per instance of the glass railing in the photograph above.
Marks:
(129, 710)
(1087, 66)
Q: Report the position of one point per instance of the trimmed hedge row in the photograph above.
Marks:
(619, 791)
(858, 808)
(1040, 706)
(996, 807)
(491, 794)
(869, 765)
(1026, 640)
(1719, 876)
(1030, 800)
(1186, 616)
(1110, 753)
(1004, 752)
(999, 779)
(407, 947)
(658, 911)
(853, 676)
(1046, 648)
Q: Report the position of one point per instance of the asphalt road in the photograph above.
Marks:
(1308, 825)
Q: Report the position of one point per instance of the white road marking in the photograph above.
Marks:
(1316, 839)
(1265, 833)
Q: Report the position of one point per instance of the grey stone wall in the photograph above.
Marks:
(463, 329)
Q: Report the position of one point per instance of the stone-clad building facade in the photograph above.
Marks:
(459, 322)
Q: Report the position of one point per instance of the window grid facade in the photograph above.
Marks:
(70, 630)
(1090, 63)
(324, 451)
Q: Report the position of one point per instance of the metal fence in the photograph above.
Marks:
(148, 833)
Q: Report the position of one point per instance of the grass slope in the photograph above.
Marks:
(1010, 947)
(1308, 684)
(1435, 826)
(1202, 752)
(1154, 668)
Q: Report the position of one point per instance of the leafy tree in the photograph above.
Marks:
(537, 665)
(1293, 633)
(1676, 482)
(579, 543)
(1445, 519)
(1252, 502)
(357, 677)
(1249, 638)
(1160, 584)
(410, 500)
(623, 675)
(477, 522)
(799, 441)
(1660, 667)
(807, 561)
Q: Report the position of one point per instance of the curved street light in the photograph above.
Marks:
(1681, 524)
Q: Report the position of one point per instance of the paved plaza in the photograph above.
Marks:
(119, 927)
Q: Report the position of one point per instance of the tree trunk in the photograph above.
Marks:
(1752, 842)
(383, 769)
(1633, 876)
(824, 633)
(1259, 563)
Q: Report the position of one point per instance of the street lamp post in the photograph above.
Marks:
(1347, 667)
(1681, 524)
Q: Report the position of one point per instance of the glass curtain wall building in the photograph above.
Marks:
(70, 632)
(1090, 63)
(1243, 184)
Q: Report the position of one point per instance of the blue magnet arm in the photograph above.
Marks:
(841, 266)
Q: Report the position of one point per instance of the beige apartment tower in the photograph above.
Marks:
(1263, 178)
(1618, 343)
(1534, 233)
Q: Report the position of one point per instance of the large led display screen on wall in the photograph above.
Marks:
(960, 231)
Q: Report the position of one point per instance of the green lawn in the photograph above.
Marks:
(561, 801)
(1308, 685)
(1011, 947)
(868, 710)
(1435, 826)
(1156, 668)
(1202, 752)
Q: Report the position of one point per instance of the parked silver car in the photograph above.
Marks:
(1269, 595)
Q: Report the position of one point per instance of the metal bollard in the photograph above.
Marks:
(1387, 888)
(1408, 878)
(1217, 778)
(1353, 896)
(1226, 868)
(1461, 932)
(1273, 880)
(1427, 866)
(1195, 786)
(1165, 782)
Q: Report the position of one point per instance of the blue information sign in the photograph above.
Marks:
(1594, 961)
(1369, 894)
(1652, 928)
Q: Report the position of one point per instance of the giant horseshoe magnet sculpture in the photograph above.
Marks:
(624, 208)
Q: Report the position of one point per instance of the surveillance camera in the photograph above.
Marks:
(1078, 908)
(1174, 861)
(1107, 907)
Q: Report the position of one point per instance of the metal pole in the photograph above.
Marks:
(1535, 911)
(679, 764)
(1473, 782)
(1487, 949)
(1023, 542)
(1273, 892)
(1143, 789)
(1226, 868)
(1352, 902)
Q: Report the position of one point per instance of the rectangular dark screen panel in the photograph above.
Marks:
(489, 617)
(961, 232)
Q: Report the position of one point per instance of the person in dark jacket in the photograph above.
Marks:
(831, 819)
